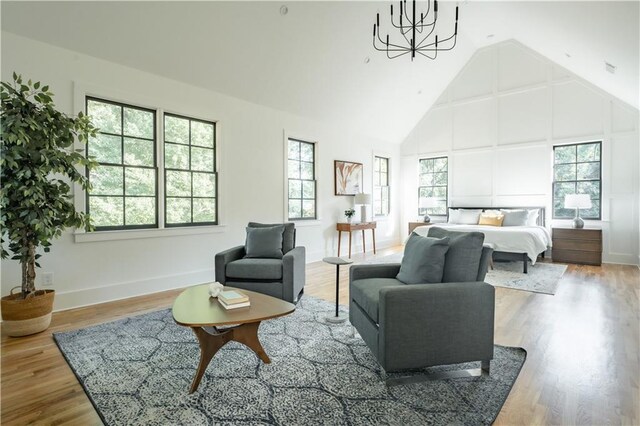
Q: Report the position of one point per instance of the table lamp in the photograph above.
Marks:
(425, 203)
(362, 199)
(577, 201)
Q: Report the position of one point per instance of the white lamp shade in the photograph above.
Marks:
(362, 199)
(427, 202)
(577, 201)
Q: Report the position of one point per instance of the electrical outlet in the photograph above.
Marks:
(47, 279)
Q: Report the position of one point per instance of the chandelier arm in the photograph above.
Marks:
(400, 27)
(404, 34)
(406, 13)
(420, 27)
(397, 49)
(390, 44)
(384, 49)
(426, 37)
(396, 56)
(425, 55)
(427, 46)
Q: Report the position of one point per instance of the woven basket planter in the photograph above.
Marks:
(21, 317)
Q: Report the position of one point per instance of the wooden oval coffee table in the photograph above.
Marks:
(203, 314)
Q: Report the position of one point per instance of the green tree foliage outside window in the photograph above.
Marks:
(434, 183)
(123, 193)
(190, 171)
(301, 180)
(380, 186)
(576, 170)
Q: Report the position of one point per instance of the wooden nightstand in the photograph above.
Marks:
(573, 245)
(414, 225)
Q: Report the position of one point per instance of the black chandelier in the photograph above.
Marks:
(416, 26)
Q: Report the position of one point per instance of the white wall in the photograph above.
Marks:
(498, 121)
(251, 167)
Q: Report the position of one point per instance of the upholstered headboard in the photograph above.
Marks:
(541, 215)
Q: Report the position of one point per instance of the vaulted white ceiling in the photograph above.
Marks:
(311, 61)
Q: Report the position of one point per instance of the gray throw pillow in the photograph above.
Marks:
(264, 242)
(288, 236)
(462, 261)
(515, 217)
(423, 260)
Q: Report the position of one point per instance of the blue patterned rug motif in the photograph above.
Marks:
(137, 371)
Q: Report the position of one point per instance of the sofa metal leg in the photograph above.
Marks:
(443, 375)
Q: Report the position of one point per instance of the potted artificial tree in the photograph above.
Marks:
(37, 169)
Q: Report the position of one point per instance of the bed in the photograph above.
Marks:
(508, 242)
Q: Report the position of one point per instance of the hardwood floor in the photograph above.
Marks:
(582, 365)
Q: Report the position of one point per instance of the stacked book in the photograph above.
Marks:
(233, 299)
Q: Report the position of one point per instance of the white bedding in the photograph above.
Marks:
(532, 240)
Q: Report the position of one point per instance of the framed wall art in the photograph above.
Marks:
(348, 177)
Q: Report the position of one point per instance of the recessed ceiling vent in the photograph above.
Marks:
(610, 67)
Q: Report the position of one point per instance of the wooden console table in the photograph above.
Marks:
(350, 227)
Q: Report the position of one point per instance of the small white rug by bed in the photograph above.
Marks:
(542, 277)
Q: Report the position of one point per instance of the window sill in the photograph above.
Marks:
(89, 237)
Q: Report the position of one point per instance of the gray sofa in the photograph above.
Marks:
(282, 278)
(411, 326)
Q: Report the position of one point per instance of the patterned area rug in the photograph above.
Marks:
(138, 370)
(542, 277)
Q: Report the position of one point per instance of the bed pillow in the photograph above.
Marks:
(264, 242)
(491, 219)
(469, 217)
(515, 217)
(532, 218)
(454, 216)
(462, 260)
(423, 260)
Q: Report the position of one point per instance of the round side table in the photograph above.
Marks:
(337, 319)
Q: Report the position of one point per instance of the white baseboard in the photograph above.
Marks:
(92, 296)
(109, 293)
(619, 259)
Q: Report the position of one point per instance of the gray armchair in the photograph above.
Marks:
(282, 278)
(411, 326)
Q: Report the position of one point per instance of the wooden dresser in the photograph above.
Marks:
(572, 245)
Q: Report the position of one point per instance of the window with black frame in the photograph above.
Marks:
(434, 184)
(124, 186)
(577, 169)
(190, 171)
(301, 186)
(380, 186)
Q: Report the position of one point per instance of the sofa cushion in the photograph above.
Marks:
(462, 261)
(366, 293)
(255, 269)
(288, 236)
(264, 242)
(423, 260)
